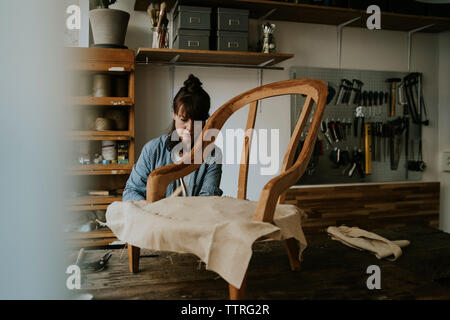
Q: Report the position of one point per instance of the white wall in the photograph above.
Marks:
(314, 46)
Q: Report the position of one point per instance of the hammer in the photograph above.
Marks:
(393, 82)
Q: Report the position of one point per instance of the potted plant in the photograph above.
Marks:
(109, 26)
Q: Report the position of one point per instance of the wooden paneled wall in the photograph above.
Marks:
(367, 206)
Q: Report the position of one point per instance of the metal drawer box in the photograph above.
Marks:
(232, 41)
(189, 17)
(232, 19)
(191, 39)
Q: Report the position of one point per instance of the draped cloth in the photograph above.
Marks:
(364, 240)
(219, 230)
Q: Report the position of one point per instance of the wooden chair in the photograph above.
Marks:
(273, 192)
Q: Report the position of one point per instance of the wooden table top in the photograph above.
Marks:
(330, 270)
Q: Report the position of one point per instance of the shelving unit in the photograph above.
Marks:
(113, 62)
(293, 12)
(100, 135)
(102, 101)
(211, 58)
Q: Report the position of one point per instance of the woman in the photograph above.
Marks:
(191, 104)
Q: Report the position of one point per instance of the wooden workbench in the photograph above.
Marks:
(330, 270)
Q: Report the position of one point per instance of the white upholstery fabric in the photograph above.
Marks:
(363, 240)
(219, 230)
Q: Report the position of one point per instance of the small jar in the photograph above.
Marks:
(160, 37)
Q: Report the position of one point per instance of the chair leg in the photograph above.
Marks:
(238, 294)
(133, 258)
(293, 251)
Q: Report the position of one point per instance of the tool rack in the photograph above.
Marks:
(374, 81)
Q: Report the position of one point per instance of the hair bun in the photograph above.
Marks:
(192, 83)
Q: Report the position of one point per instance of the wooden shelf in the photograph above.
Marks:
(101, 59)
(102, 101)
(96, 234)
(210, 57)
(98, 172)
(100, 135)
(293, 12)
(94, 200)
(100, 169)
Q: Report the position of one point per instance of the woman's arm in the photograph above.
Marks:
(135, 188)
(213, 175)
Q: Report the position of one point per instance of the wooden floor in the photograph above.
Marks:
(330, 270)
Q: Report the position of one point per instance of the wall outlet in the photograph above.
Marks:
(446, 161)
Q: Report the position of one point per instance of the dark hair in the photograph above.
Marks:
(195, 101)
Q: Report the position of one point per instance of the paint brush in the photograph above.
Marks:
(161, 14)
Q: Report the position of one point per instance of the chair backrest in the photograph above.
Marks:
(273, 192)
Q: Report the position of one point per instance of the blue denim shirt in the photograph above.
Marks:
(205, 181)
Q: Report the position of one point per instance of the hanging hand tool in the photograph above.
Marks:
(393, 83)
(348, 127)
(375, 102)
(373, 141)
(357, 159)
(380, 102)
(331, 93)
(418, 165)
(386, 132)
(335, 157)
(369, 103)
(367, 148)
(339, 130)
(359, 117)
(365, 96)
(342, 129)
(379, 135)
(357, 87)
(325, 132)
(412, 83)
(340, 92)
(332, 127)
(348, 91)
(396, 129)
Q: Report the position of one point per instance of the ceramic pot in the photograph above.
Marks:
(121, 86)
(109, 26)
(102, 85)
(85, 85)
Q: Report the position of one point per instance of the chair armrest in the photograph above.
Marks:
(160, 178)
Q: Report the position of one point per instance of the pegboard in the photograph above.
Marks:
(374, 81)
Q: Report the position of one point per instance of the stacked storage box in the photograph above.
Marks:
(232, 29)
(191, 27)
